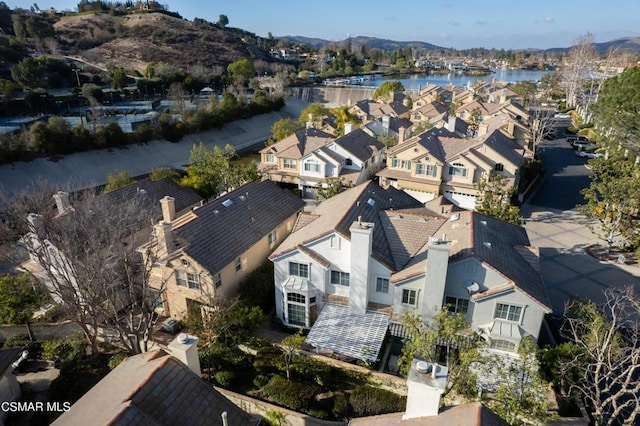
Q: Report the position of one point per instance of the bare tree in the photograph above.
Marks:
(608, 341)
(577, 67)
(541, 124)
(85, 256)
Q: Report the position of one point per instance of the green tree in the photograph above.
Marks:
(118, 78)
(231, 321)
(163, 172)
(241, 71)
(448, 335)
(525, 89)
(18, 299)
(494, 199)
(283, 128)
(613, 199)
(291, 345)
(8, 89)
(474, 120)
(387, 89)
(223, 21)
(28, 73)
(335, 185)
(118, 180)
(317, 111)
(91, 91)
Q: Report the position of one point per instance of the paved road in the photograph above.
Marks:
(560, 231)
(88, 169)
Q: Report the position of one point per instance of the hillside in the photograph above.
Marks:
(379, 43)
(132, 41)
(625, 43)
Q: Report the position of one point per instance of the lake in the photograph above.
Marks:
(416, 81)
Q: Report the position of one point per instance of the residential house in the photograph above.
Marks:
(351, 269)
(435, 93)
(398, 129)
(368, 109)
(442, 162)
(429, 113)
(309, 156)
(207, 252)
(155, 388)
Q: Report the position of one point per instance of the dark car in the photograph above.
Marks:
(573, 138)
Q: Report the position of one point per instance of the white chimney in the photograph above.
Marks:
(435, 276)
(361, 244)
(426, 383)
(168, 208)
(164, 234)
(348, 127)
(451, 123)
(185, 348)
(385, 122)
(401, 134)
(62, 202)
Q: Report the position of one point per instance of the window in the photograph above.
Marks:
(340, 278)
(238, 264)
(508, 312)
(270, 158)
(402, 164)
(185, 279)
(272, 237)
(296, 297)
(503, 345)
(217, 280)
(348, 162)
(335, 242)
(426, 169)
(409, 297)
(299, 269)
(457, 306)
(297, 314)
(458, 169)
(382, 285)
(155, 298)
(499, 167)
(312, 166)
(289, 164)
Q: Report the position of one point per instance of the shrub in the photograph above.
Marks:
(370, 401)
(290, 393)
(116, 360)
(258, 288)
(18, 339)
(224, 378)
(261, 380)
(340, 406)
(268, 359)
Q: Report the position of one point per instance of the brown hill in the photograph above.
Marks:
(132, 41)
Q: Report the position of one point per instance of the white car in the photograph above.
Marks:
(562, 116)
(586, 154)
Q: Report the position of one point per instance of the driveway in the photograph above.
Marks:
(561, 233)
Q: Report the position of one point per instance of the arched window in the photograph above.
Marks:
(296, 309)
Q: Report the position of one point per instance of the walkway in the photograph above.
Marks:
(89, 169)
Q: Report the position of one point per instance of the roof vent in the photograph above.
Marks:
(423, 367)
(487, 244)
(183, 338)
(371, 202)
(227, 203)
(216, 211)
(142, 191)
(473, 288)
(483, 222)
(454, 217)
(434, 240)
(242, 198)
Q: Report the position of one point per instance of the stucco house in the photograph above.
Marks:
(368, 109)
(441, 161)
(350, 270)
(206, 253)
(310, 156)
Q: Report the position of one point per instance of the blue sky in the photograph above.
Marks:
(449, 23)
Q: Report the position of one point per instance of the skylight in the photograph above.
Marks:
(227, 202)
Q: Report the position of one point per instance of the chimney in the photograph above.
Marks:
(401, 134)
(511, 125)
(425, 385)
(62, 202)
(435, 276)
(168, 208)
(503, 96)
(361, 244)
(348, 127)
(310, 124)
(36, 225)
(185, 348)
(385, 123)
(451, 123)
(483, 129)
(164, 234)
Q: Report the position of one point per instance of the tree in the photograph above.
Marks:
(86, 258)
(283, 128)
(613, 199)
(28, 73)
(223, 21)
(522, 394)
(607, 337)
(493, 199)
(334, 187)
(177, 95)
(117, 181)
(241, 71)
(542, 124)
(474, 121)
(578, 64)
(291, 345)
(19, 297)
(526, 89)
(317, 111)
(211, 173)
(617, 110)
(163, 172)
(448, 335)
(118, 78)
(387, 89)
(230, 321)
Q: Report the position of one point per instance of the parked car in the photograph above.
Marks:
(572, 138)
(562, 116)
(584, 144)
(587, 154)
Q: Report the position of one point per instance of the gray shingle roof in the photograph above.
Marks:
(152, 389)
(220, 234)
(360, 144)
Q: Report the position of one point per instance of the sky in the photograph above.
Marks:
(461, 24)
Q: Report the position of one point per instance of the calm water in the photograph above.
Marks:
(416, 81)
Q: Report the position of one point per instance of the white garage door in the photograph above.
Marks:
(461, 200)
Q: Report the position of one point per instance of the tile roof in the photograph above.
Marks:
(301, 143)
(471, 414)
(153, 191)
(506, 147)
(360, 144)
(220, 234)
(152, 388)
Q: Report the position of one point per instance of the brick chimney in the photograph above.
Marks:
(361, 245)
(164, 234)
(435, 276)
(168, 208)
(62, 202)
(185, 348)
